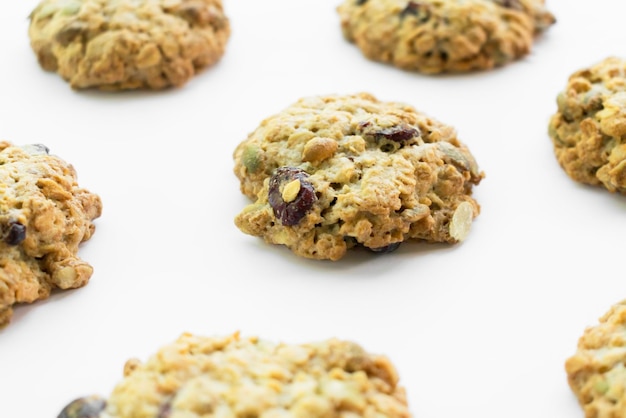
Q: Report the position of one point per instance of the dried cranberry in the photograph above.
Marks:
(290, 213)
(165, 411)
(88, 407)
(15, 234)
(398, 133)
(386, 249)
(510, 4)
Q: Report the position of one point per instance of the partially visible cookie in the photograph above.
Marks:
(588, 130)
(128, 44)
(44, 216)
(248, 377)
(597, 372)
(329, 173)
(436, 36)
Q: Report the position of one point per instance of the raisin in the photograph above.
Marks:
(360, 2)
(290, 213)
(87, 407)
(16, 233)
(398, 133)
(386, 249)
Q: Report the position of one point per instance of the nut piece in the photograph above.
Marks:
(291, 190)
(461, 221)
(319, 149)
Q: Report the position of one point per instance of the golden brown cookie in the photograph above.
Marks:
(589, 127)
(44, 216)
(215, 377)
(329, 173)
(128, 44)
(436, 36)
(596, 372)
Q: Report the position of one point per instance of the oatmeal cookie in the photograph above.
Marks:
(436, 36)
(128, 44)
(44, 216)
(249, 377)
(596, 372)
(332, 172)
(588, 130)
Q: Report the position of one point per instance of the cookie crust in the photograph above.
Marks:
(596, 372)
(381, 173)
(245, 377)
(589, 127)
(44, 216)
(128, 44)
(437, 36)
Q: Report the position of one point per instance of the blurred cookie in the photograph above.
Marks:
(248, 377)
(128, 44)
(596, 372)
(435, 36)
(332, 172)
(589, 127)
(44, 216)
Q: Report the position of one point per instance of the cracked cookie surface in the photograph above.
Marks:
(437, 36)
(248, 377)
(128, 44)
(329, 173)
(589, 127)
(44, 216)
(596, 372)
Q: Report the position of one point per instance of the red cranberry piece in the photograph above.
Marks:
(415, 8)
(87, 407)
(165, 411)
(510, 4)
(387, 249)
(15, 234)
(398, 133)
(290, 213)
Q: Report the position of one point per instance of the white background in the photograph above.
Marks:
(478, 329)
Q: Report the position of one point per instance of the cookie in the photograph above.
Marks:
(44, 216)
(436, 36)
(128, 44)
(248, 377)
(596, 372)
(329, 173)
(589, 127)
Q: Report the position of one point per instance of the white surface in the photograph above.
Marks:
(479, 329)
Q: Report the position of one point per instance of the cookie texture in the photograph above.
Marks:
(248, 377)
(128, 44)
(596, 372)
(44, 216)
(329, 173)
(436, 36)
(589, 127)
